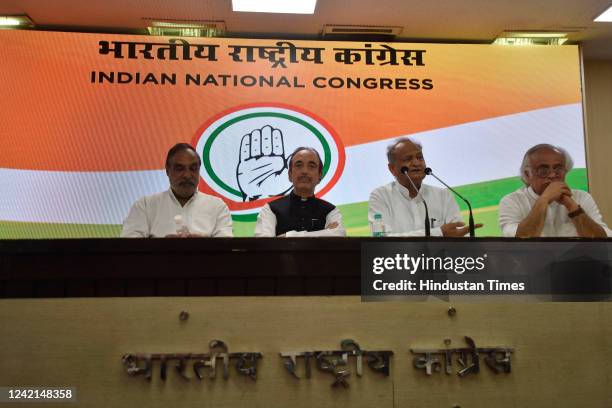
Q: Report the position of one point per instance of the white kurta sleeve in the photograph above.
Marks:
(378, 205)
(451, 213)
(590, 208)
(509, 216)
(451, 209)
(266, 223)
(223, 224)
(136, 224)
(434, 232)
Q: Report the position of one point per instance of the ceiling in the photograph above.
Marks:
(478, 21)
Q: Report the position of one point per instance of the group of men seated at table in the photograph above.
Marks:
(545, 207)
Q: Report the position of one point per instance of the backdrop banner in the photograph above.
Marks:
(87, 120)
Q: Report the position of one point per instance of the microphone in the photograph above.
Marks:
(429, 172)
(404, 171)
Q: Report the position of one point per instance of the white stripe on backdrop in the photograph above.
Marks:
(470, 153)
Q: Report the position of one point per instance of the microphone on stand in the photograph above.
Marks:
(429, 172)
(404, 171)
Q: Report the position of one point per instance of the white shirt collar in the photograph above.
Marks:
(177, 202)
(531, 193)
(406, 193)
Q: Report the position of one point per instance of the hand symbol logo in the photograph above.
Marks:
(262, 169)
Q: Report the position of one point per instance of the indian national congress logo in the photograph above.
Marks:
(246, 151)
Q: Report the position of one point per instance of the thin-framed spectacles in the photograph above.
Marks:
(545, 171)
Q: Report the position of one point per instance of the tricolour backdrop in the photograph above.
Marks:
(87, 119)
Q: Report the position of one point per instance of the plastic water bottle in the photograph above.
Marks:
(378, 226)
(181, 228)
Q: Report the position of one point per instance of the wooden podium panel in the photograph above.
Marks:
(562, 358)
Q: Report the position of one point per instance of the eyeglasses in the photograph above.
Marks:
(544, 171)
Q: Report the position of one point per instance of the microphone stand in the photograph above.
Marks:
(427, 224)
(429, 172)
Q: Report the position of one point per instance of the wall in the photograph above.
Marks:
(562, 351)
(598, 90)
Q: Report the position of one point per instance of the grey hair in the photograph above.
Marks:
(310, 149)
(391, 147)
(569, 163)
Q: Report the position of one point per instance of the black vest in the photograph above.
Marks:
(295, 214)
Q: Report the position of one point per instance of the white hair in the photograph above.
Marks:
(569, 163)
(391, 148)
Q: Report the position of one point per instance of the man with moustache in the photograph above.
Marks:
(181, 211)
(401, 204)
(546, 206)
(301, 214)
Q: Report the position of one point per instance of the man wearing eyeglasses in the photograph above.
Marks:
(546, 206)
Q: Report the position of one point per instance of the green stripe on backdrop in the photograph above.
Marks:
(484, 197)
(489, 193)
(39, 230)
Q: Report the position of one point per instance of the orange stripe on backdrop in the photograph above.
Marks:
(54, 118)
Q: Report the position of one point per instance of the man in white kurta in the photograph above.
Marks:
(161, 215)
(546, 206)
(400, 203)
(405, 216)
(181, 211)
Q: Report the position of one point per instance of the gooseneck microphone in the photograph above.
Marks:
(429, 172)
(404, 171)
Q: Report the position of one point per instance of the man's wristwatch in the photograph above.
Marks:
(576, 212)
